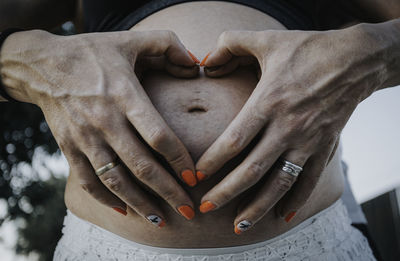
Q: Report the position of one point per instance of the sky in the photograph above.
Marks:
(371, 148)
(371, 145)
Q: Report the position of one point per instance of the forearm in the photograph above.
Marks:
(40, 14)
(20, 52)
(384, 41)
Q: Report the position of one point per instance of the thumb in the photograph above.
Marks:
(162, 64)
(230, 66)
(163, 42)
(230, 44)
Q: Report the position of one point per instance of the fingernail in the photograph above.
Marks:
(205, 59)
(290, 216)
(120, 210)
(189, 178)
(194, 58)
(206, 206)
(186, 211)
(242, 226)
(156, 220)
(200, 176)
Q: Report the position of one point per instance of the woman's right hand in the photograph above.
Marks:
(88, 90)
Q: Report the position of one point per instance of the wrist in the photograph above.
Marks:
(393, 54)
(14, 55)
(383, 42)
(4, 96)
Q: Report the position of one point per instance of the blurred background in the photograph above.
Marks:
(33, 172)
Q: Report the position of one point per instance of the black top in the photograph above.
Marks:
(117, 15)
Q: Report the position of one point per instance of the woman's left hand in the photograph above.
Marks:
(310, 84)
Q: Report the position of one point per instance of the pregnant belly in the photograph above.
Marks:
(198, 110)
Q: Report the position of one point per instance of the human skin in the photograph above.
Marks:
(217, 102)
(89, 82)
(250, 29)
(311, 83)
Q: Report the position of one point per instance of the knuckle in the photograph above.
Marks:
(235, 141)
(255, 171)
(159, 138)
(114, 182)
(143, 170)
(170, 195)
(177, 159)
(283, 183)
(137, 110)
(259, 114)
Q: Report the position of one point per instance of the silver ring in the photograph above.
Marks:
(291, 168)
(100, 171)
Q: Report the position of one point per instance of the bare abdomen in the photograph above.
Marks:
(198, 110)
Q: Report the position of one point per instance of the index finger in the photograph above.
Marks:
(239, 133)
(157, 134)
(164, 42)
(233, 43)
(147, 170)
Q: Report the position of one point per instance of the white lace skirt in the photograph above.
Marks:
(327, 236)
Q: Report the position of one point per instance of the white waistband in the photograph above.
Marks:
(327, 235)
(336, 210)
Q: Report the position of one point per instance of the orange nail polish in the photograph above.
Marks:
(200, 176)
(205, 59)
(206, 206)
(162, 224)
(290, 216)
(189, 178)
(120, 210)
(186, 211)
(237, 231)
(194, 58)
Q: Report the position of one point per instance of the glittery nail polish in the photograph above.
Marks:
(242, 226)
(156, 220)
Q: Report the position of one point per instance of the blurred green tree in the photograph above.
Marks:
(36, 205)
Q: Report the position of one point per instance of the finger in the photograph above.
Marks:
(148, 171)
(247, 174)
(157, 134)
(230, 66)
(275, 187)
(307, 180)
(239, 133)
(157, 43)
(230, 44)
(161, 63)
(117, 180)
(81, 167)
